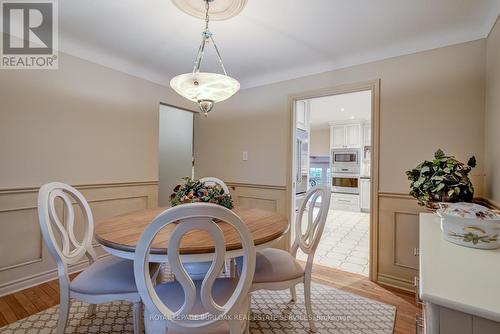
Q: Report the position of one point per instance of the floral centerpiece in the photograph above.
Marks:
(194, 191)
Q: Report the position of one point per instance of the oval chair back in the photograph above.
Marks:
(69, 250)
(210, 181)
(309, 239)
(188, 217)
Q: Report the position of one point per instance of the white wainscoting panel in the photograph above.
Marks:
(24, 260)
(397, 240)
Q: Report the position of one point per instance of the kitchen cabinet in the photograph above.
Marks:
(302, 114)
(337, 135)
(344, 202)
(345, 135)
(364, 185)
(352, 135)
(367, 134)
(458, 285)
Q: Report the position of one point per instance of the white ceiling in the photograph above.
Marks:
(344, 107)
(270, 40)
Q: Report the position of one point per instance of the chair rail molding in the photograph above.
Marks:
(24, 259)
(263, 196)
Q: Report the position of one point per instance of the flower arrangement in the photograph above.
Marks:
(193, 191)
(443, 179)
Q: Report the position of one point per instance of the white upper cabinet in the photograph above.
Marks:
(337, 136)
(367, 134)
(302, 114)
(345, 136)
(352, 135)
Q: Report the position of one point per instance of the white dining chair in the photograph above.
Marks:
(198, 270)
(276, 269)
(210, 180)
(185, 305)
(104, 280)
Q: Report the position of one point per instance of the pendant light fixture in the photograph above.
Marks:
(205, 88)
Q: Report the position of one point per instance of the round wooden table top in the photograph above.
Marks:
(123, 232)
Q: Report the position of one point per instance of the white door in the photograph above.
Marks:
(352, 135)
(337, 136)
(365, 194)
(175, 150)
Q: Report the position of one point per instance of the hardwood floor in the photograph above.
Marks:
(23, 303)
(360, 285)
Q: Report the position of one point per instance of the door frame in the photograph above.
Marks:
(374, 87)
(195, 114)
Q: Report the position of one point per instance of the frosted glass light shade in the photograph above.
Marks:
(207, 86)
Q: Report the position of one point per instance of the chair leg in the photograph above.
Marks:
(153, 325)
(232, 268)
(293, 294)
(137, 317)
(63, 313)
(307, 300)
(91, 310)
(249, 315)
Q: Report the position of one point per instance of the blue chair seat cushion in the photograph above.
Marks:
(108, 275)
(274, 265)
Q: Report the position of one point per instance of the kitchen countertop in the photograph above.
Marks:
(456, 277)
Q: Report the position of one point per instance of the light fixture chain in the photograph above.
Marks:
(218, 55)
(207, 17)
(199, 56)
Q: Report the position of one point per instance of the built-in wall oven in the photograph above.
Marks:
(345, 183)
(346, 160)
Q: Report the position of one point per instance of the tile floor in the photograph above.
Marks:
(344, 244)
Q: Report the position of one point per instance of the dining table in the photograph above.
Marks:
(120, 234)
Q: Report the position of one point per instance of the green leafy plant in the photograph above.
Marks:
(443, 179)
(193, 191)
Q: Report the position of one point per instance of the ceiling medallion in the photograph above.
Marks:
(220, 10)
(205, 88)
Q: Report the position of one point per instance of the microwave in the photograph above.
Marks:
(346, 160)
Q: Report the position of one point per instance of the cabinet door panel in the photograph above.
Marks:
(338, 136)
(454, 322)
(365, 194)
(367, 135)
(352, 135)
(301, 114)
(485, 326)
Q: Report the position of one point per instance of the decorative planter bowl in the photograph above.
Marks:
(470, 225)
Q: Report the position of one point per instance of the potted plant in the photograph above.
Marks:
(444, 179)
(193, 191)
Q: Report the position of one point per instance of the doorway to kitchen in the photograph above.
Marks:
(175, 146)
(334, 146)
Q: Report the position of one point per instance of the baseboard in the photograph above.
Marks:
(396, 282)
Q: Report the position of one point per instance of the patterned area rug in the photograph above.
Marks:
(336, 312)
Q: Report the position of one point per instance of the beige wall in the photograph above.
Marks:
(320, 142)
(429, 100)
(81, 124)
(492, 116)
